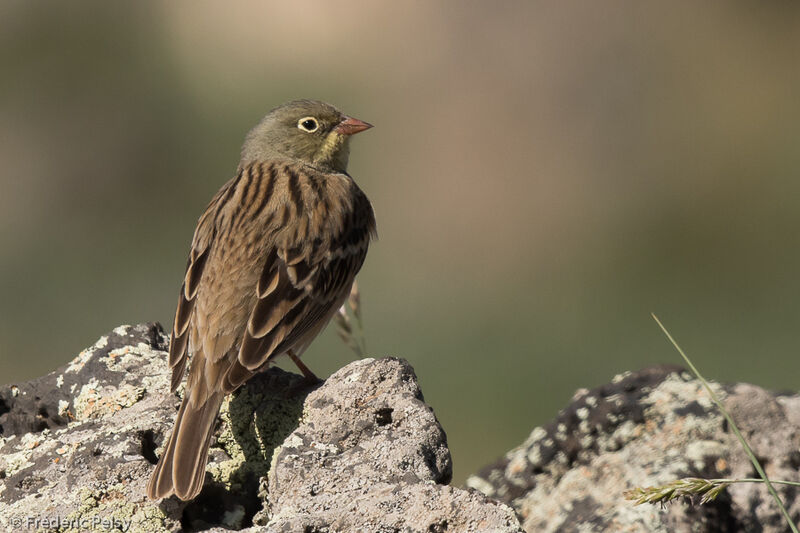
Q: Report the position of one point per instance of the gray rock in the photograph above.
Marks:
(370, 456)
(362, 452)
(646, 429)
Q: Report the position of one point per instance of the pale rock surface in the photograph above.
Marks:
(648, 428)
(362, 452)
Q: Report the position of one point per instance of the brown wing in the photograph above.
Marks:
(202, 241)
(299, 289)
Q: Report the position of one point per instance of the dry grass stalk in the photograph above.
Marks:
(707, 489)
(351, 330)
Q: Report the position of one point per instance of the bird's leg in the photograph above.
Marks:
(309, 376)
(309, 379)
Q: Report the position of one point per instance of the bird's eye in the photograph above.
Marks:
(308, 124)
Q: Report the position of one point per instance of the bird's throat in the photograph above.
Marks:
(334, 152)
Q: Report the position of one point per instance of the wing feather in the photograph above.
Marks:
(304, 280)
(203, 239)
(303, 289)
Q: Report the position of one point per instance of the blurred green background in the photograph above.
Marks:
(544, 176)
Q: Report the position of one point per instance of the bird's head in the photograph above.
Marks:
(308, 131)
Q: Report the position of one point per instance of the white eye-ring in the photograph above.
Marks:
(309, 124)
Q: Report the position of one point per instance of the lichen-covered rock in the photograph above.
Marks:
(77, 445)
(369, 455)
(646, 429)
(361, 453)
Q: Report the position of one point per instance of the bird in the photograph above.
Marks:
(272, 259)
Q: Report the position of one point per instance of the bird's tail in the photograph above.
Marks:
(182, 467)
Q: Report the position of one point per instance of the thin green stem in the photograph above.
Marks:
(733, 426)
(756, 480)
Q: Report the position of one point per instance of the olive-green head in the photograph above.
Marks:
(308, 131)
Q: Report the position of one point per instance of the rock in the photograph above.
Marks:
(646, 429)
(370, 456)
(362, 452)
